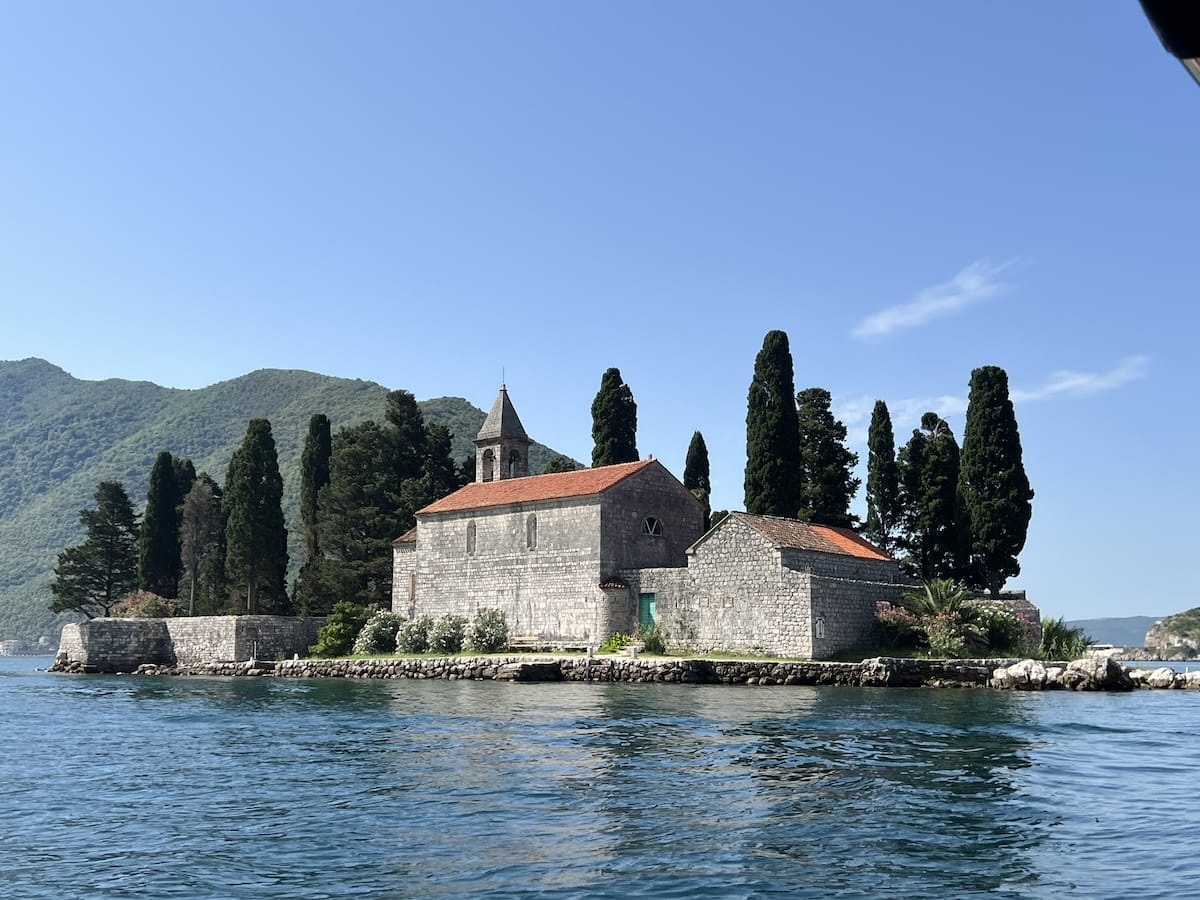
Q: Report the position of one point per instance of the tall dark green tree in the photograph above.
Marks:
(91, 577)
(614, 422)
(407, 434)
(255, 534)
(198, 529)
(159, 564)
(772, 432)
(883, 481)
(185, 476)
(992, 481)
(696, 474)
(931, 518)
(314, 475)
(557, 463)
(361, 513)
(439, 474)
(827, 482)
(213, 596)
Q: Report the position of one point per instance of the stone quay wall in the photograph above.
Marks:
(1000, 674)
(122, 645)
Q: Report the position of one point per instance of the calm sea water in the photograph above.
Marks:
(190, 787)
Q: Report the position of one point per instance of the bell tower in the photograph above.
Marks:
(502, 446)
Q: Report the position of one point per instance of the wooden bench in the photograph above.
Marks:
(526, 642)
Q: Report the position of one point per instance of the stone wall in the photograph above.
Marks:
(843, 612)
(550, 589)
(121, 645)
(625, 507)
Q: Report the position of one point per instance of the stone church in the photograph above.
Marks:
(573, 557)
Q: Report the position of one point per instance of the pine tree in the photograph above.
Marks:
(827, 482)
(158, 557)
(255, 534)
(614, 422)
(407, 434)
(931, 518)
(439, 475)
(696, 474)
(883, 481)
(198, 528)
(91, 577)
(314, 475)
(361, 513)
(772, 433)
(559, 463)
(992, 481)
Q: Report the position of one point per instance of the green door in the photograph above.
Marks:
(646, 610)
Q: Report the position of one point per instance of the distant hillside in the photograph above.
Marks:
(1178, 630)
(1127, 631)
(60, 437)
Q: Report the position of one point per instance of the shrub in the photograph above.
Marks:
(448, 634)
(1001, 630)
(336, 637)
(145, 605)
(489, 631)
(898, 626)
(654, 639)
(945, 633)
(616, 642)
(413, 637)
(379, 634)
(1060, 641)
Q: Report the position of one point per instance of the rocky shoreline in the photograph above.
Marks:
(1093, 674)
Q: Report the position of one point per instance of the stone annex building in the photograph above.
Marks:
(573, 557)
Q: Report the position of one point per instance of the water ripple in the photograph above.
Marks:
(191, 788)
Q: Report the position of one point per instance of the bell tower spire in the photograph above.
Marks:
(502, 446)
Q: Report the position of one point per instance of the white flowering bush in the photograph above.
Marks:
(448, 634)
(1001, 630)
(488, 631)
(413, 636)
(379, 634)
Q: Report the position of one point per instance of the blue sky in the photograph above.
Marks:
(426, 195)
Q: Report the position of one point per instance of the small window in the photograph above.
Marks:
(652, 525)
(514, 464)
(819, 628)
(531, 532)
(470, 538)
(489, 465)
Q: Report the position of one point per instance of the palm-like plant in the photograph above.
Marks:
(938, 595)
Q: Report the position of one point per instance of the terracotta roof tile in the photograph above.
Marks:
(555, 486)
(409, 537)
(793, 534)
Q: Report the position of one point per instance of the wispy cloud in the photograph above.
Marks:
(906, 413)
(1064, 381)
(975, 284)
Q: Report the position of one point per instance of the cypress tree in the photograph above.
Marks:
(931, 510)
(314, 475)
(614, 422)
(440, 475)
(90, 578)
(696, 474)
(255, 534)
(407, 434)
(827, 482)
(198, 528)
(185, 475)
(772, 432)
(159, 564)
(992, 481)
(883, 480)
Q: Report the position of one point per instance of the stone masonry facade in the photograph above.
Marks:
(121, 645)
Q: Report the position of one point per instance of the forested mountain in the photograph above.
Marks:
(60, 437)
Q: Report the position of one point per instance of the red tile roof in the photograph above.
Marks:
(793, 534)
(409, 537)
(555, 486)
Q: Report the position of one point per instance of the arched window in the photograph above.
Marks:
(652, 525)
(489, 465)
(819, 628)
(531, 532)
(514, 464)
(470, 538)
